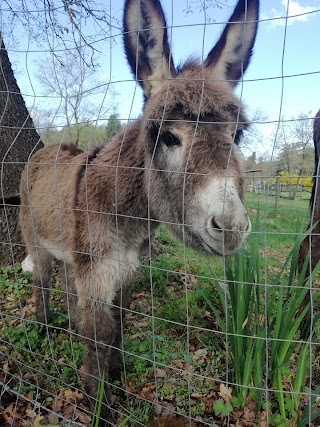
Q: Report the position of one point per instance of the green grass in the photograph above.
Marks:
(288, 219)
(276, 231)
(31, 346)
(171, 333)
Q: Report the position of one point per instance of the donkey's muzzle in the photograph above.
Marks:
(226, 235)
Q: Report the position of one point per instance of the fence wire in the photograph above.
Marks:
(123, 313)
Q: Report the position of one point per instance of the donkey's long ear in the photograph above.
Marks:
(230, 57)
(146, 43)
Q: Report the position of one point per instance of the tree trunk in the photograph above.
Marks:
(295, 188)
(18, 140)
(290, 192)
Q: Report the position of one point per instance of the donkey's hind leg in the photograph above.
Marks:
(41, 277)
(120, 305)
(66, 276)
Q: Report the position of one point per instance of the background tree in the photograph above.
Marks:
(254, 137)
(113, 127)
(18, 139)
(295, 155)
(251, 161)
(302, 133)
(72, 85)
(291, 159)
(91, 136)
(42, 120)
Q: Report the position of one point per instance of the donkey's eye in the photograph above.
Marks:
(169, 139)
(237, 137)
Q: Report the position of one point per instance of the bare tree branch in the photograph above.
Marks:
(204, 6)
(61, 24)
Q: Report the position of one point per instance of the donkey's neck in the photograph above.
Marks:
(115, 175)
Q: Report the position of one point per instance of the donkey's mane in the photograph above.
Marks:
(192, 63)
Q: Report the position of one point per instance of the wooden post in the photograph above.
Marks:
(277, 199)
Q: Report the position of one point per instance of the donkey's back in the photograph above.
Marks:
(47, 191)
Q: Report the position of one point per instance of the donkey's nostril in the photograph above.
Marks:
(215, 225)
(248, 229)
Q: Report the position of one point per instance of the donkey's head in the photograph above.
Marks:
(193, 123)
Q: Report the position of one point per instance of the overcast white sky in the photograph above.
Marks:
(283, 77)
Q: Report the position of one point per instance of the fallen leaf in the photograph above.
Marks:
(37, 420)
(53, 418)
(225, 393)
(193, 279)
(31, 414)
(30, 376)
(251, 405)
(69, 395)
(7, 418)
(137, 294)
(82, 417)
(78, 395)
(248, 416)
(200, 354)
(197, 395)
(57, 405)
(168, 411)
(237, 414)
(161, 373)
(69, 411)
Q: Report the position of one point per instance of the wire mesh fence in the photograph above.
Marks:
(172, 268)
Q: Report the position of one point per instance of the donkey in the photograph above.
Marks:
(311, 243)
(178, 164)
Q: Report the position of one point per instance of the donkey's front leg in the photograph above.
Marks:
(97, 325)
(41, 277)
(97, 329)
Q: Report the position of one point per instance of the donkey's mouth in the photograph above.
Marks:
(202, 243)
(209, 249)
(220, 248)
(224, 244)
